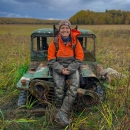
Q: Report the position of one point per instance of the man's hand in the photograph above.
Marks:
(65, 71)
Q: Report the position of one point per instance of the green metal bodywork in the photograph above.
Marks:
(48, 32)
(44, 73)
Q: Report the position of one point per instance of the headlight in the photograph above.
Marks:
(23, 81)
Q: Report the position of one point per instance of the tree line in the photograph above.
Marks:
(81, 17)
(4, 20)
(107, 17)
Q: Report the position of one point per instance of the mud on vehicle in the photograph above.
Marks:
(38, 80)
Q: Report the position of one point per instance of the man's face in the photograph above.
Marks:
(64, 31)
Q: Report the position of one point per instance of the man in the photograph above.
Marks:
(65, 64)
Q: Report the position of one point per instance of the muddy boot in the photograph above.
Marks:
(22, 98)
(62, 118)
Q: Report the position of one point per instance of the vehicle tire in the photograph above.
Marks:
(22, 98)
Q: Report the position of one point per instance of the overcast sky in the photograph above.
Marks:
(57, 9)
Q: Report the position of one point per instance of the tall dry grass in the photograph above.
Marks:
(113, 50)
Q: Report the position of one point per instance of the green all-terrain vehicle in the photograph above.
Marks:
(38, 80)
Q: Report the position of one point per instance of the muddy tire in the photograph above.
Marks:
(22, 98)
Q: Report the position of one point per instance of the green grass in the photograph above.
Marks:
(113, 50)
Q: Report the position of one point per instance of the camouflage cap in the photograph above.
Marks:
(65, 22)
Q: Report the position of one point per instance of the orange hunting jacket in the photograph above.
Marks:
(66, 57)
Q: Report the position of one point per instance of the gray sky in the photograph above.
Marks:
(57, 9)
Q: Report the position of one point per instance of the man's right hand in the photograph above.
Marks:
(65, 71)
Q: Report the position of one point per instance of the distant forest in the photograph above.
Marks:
(82, 17)
(26, 21)
(107, 17)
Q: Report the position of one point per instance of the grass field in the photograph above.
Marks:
(113, 50)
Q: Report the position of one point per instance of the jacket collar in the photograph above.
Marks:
(74, 34)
